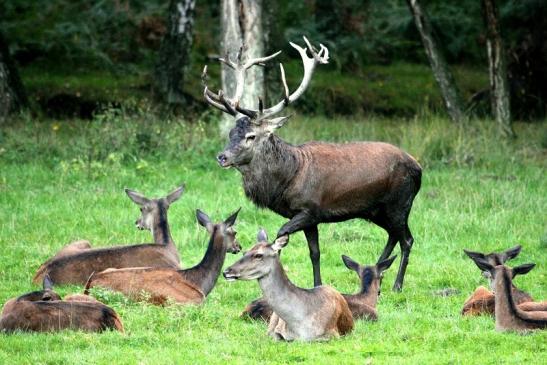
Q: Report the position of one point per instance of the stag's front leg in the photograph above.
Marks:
(305, 221)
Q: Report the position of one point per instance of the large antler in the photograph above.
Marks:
(232, 106)
(229, 105)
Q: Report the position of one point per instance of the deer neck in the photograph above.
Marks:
(160, 228)
(505, 308)
(285, 298)
(270, 172)
(205, 274)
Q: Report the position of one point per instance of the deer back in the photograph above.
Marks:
(154, 285)
(76, 268)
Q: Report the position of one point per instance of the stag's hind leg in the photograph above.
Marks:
(406, 241)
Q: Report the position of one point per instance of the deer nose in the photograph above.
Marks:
(221, 158)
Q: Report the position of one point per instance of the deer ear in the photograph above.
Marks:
(350, 264)
(204, 220)
(483, 264)
(280, 242)
(522, 269)
(47, 283)
(262, 236)
(175, 195)
(231, 220)
(137, 197)
(511, 253)
(270, 125)
(474, 255)
(385, 264)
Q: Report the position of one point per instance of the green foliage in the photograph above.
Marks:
(488, 202)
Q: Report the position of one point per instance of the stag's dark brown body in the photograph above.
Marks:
(316, 182)
(325, 182)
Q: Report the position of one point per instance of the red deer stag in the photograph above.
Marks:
(190, 286)
(317, 182)
(74, 263)
(44, 311)
(482, 301)
(362, 304)
(509, 317)
(298, 314)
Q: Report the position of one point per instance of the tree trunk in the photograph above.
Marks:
(174, 54)
(12, 93)
(242, 26)
(438, 63)
(497, 66)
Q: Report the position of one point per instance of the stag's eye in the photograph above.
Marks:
(257, 256)
(249, 137)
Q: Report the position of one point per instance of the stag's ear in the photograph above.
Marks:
(270, 125)
(231, 220)
(175, 195)
(137, 197)
(350, 264)
(474, 255)
(262, 236)
(204, 220)
(47, 283)
(280, 242)
(385, 264)
(522, 269)
(511, 253)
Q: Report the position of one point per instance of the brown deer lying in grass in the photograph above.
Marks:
(508, 315)
(316, 182)
(190, 286)
(361, 304)
(298, 314)
(44, 311)
(75, 263)
(482, 301)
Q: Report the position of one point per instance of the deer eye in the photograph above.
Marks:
(250, 137)
(257, 256)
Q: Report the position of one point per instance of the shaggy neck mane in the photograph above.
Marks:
(269, 173)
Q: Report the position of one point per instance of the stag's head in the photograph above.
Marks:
(253, 127)
(153, 209)
(258, 261)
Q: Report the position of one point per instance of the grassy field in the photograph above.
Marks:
(61, 181)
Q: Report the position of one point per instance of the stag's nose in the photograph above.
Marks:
(221, 158)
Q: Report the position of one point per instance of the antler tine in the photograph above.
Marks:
(260, 61)
(211, 97)
(226, 104)
(226, 60)
(284, 80)
(248, 112)
(309, 64)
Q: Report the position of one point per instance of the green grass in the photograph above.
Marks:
(61, 181)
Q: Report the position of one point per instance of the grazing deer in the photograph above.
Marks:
(482, 301)
(508, 315)
(298, 314)
(362, 304)
(317, 182)
(44, 311)
(74, 264)
(190, 286)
